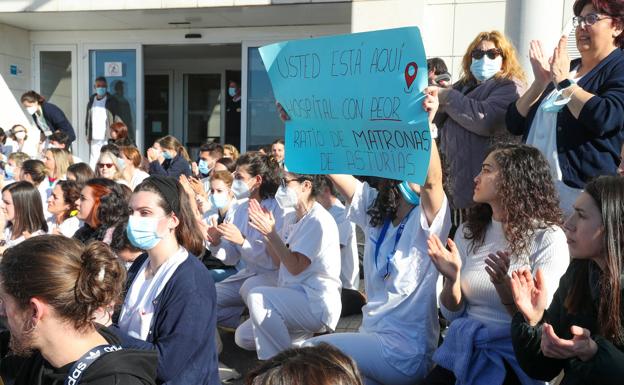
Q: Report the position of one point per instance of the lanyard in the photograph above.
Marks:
(397, 237)
(78, 368)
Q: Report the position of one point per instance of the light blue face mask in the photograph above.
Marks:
(202, 165)
(553, 103)
(9, 171)
(231, 91)
(485, 68)
(167, 155)
(408, 194)
(143, 231)
(100, 91)
(219, 200)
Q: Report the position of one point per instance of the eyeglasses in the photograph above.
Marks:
(285, 181)
(492, 53)
(107, 165)
(589, 19)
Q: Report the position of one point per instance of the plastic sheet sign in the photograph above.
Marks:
(355, 103)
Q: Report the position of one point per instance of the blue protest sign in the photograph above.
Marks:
(355, 103)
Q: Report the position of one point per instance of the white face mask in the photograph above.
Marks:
(32, 109)
(286, 197)
(20, 135)
(240, 189)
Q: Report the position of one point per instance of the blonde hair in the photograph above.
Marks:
(171, 143)
(232, 149)
(62, 160)
(115, 160)
(510, 69)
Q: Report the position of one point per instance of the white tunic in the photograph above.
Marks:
(349, 274)
(401, 310)
(138, 308)
(315, 236)
(68, 227)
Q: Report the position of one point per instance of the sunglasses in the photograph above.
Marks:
(492, 53)
(107, 165)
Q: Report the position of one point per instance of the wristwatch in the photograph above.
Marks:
(565, 83)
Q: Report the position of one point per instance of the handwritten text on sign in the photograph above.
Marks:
(355, 103)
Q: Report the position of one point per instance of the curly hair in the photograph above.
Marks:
(511, 68)
(387, 201)
(527, 194)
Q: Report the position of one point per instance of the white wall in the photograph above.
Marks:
(450, 25)
(15, 50)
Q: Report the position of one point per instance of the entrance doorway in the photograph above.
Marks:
(186, 93)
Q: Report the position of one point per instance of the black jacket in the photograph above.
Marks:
(171, 167)
(56, 120)
(127, 367)
(606, 367)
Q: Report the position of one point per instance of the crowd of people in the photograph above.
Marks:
(123, 269)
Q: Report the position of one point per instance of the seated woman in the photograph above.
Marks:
(256, 178)
(170, 159)
(312, 365)
(56, 162)
(80, 173)
(132, 173)
(34, 171)
(102, 206)
(514, 223)
(21, 214)
(119, 135)
(400, 326)
(51, 286)
(62, 205)
(13, 167)
(170, 304)
(582, 331)
(222, 206)
(307, 297)
(109, 166)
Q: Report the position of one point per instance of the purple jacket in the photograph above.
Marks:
(475, 121)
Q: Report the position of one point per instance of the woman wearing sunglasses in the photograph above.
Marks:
(472, 112)
(108, 166)
(574, 111)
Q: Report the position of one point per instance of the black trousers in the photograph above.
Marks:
(441, 376)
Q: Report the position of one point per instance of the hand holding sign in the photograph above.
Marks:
(355, 103)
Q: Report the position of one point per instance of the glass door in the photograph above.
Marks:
(202, 110)
(55, 78)
(158, 103)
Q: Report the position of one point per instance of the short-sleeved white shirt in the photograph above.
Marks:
(401, 310)
(315, 236)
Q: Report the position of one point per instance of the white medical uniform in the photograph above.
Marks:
(302, 304)
(68, 227)
(99, 129)
(350, 265)
(399, 331)
(258, 270)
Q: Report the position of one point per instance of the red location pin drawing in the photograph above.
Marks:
(409, 79)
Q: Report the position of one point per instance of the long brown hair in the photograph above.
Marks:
(527, 196)
(511, 68)
(28, 208)
(73, 279)
(172, 143)
(608, 194)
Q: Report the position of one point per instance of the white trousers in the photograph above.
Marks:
(366, 350)
(279, 318)
(231, 295)
(95, 147)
